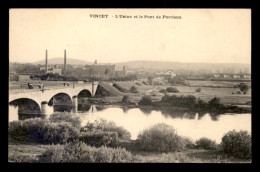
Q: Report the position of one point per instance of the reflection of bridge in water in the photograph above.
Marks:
(42, 98)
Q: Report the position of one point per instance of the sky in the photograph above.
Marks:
(201, 35)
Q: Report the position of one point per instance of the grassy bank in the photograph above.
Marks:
(30, 153)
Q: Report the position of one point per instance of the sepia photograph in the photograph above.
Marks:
(129, 85)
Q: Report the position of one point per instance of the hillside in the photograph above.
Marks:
(60, 60)
(146, 64)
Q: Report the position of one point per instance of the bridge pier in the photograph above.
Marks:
(44, 105)
(74, 104)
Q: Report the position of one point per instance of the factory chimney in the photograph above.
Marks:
(65, 65)
(46, 62)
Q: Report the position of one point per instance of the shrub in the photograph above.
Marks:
(238, 92)
(214, 102)
(99, 138)
(177, 80)
(189, 144)
(158, 83)
(198, 89)
(243, 87)
(182, 101)
(66, 117)
(172, 90)
(125, 99)
(201, 104)
(42, 131)
(237, 144)
(160, 137)
(163, 91)
(79, 152)
(206, 143)
(145, 100)
(133, 89)
(104, 125)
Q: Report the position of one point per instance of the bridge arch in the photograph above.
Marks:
(26, 105)
(84, 93)
(60, 97)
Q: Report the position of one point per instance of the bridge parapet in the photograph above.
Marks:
(40, 96)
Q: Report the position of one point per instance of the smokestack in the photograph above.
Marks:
(46, 62)
(65, 67)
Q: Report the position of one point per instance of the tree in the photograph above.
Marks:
(150, 79)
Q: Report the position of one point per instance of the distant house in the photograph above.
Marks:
(168, 74)
(216, 75)
(236, 76)
(246, 76)
(226, 76)
(52, 69)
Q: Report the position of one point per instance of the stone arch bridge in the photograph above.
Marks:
(43, 97)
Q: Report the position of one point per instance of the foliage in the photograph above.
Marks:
(105, 126)
(237, 144)
(201, 104)
(99, 138)
(150, 80)
(172, 90)
(198, 90)
(182, 101)
(189, 144)
(177, 80)
(66, 117)
(215, 102)
(206, 143)
(79, 152)
(162, 91)
(145, 100)
(42, 131)
(133, 89)
(125, 99)
(161, 138)
(243, 87)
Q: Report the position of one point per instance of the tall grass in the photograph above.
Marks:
(79, 152)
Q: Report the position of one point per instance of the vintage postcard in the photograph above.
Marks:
(129, 86)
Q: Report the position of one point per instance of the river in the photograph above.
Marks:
(135, 120)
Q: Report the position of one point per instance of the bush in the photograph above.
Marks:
(99, 138)
(172, 90)
(163, 91)
(182, 101)
(215, 102)
(177, 80)
(161, 138)
(237, 144)
(79, 152)
(105, 126)
(206, 143)
(145, 100)
(238, 92)
(42, 131)
(125, 99)
(66, 117)
(198, 90)
(243, 87)
(133, 89)
(201, 104)
(189, 144)
(158, 83)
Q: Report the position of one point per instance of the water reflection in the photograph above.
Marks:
(135, 120)
(193, 125)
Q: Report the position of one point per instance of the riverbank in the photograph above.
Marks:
(158, 105)
(21, 152)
